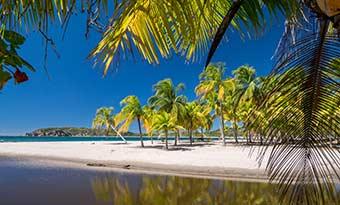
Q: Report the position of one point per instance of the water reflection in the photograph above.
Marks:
(171, 190)
(22, 182)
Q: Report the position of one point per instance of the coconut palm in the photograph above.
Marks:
(148, 116)
(151, 22)
(245, 77)
(230, 104)
(244, 88)
(196, 24)
(104, 119)
(194, 118)
(165, 122)
(167, 98)
(131, 111)
(207, 120)
(150, 27)
(212, 88)
(307, 49)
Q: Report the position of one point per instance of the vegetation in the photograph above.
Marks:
(244, 104)
(298, 108)
(167, 99)
(234, 99)
(74, 131)
(104, 119)
(131, 111)
(11, 62)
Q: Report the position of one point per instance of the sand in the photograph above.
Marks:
(202, 160)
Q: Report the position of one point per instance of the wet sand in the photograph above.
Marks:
(201, 160)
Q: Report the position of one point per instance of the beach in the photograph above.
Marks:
(211, 160)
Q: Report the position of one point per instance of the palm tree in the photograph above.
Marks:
(212, 88)
(194, 118)
(307, 50)
(165, 123)
(167, 98)
(152, 23)
(148, 116)
(243, 88)
(131, 111)
(230, 105)
(245, 77)
(206, 122)
(104, 119)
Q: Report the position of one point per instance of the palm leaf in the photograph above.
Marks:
(222, 28)
(302, 160)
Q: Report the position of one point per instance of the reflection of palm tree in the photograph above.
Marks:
(172, 190)
(132, 110)
(104, 119)
(112, 190)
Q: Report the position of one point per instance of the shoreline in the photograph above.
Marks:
(204, 160)
(235, 174)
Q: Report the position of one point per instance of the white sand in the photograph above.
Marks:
(206, 160)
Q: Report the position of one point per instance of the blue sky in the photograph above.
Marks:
(76, 88)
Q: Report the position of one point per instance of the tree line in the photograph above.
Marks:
(236, 101)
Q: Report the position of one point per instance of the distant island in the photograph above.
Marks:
(84, 131)
(72, 131)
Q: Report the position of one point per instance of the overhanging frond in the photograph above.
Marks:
(299, 121)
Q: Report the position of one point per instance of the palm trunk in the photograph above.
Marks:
(235, 131)
(247, 137)
(202, 134)
(140, 132)
(261, 139)
(222, 123)
(166, 139)
(176, 137)
(179, 136)
(190, 136)
(250, 136)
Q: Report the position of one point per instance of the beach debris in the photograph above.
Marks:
(127, 166)
(95, 165)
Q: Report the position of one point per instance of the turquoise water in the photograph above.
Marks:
(63, 139)
(71, 139)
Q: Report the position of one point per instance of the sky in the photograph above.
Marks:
(76, 88)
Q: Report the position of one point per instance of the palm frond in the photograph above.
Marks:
(251, 13)
(302, 160)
